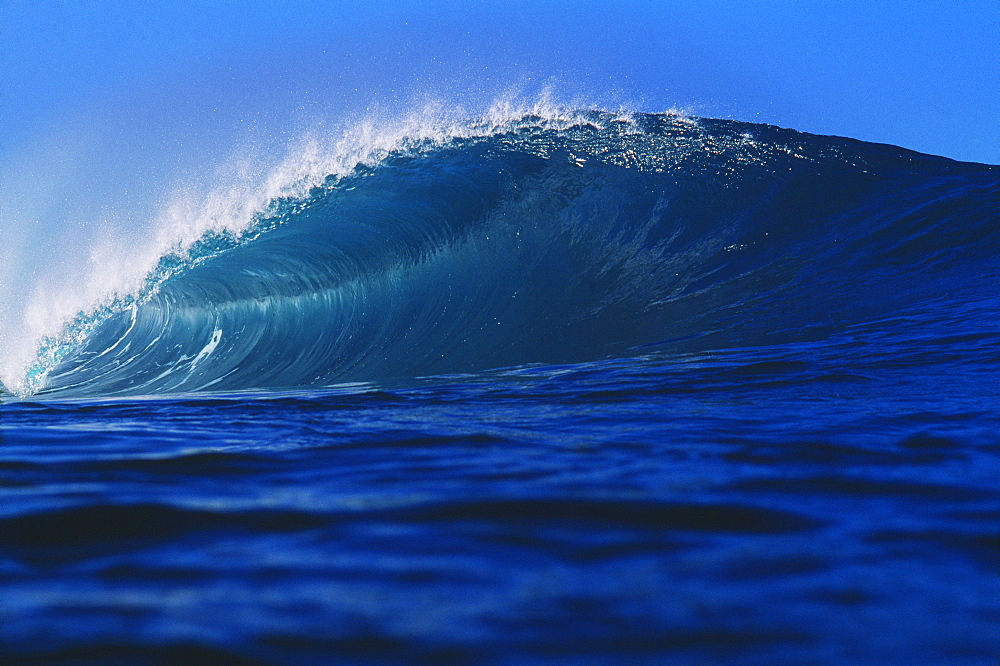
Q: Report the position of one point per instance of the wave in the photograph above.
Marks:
(540, 237)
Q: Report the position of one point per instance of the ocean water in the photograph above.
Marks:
(552, 386)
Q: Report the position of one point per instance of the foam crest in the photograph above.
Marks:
(125, 267)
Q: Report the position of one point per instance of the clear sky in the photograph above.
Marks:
(174, 76)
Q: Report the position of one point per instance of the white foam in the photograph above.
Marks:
(119, 262)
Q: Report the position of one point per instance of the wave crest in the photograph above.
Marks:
(539, 235)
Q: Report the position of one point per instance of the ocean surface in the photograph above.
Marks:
(557, 387)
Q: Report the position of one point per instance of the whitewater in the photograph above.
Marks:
(196, 222)
(540, 235)
(542, 384)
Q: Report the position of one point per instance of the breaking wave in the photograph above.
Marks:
(533, 237)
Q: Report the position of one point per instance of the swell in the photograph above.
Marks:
(533, 243)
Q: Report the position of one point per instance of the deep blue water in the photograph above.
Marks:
(648, 388)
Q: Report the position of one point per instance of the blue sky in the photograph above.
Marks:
(170, 77)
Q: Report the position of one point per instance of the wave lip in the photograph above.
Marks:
(558, 238)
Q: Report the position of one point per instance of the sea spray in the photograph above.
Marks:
(198, 221)
(539, 235)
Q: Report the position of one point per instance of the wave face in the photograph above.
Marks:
(539, 242)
